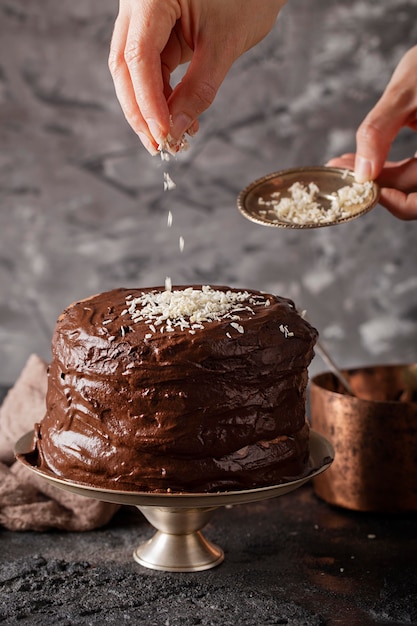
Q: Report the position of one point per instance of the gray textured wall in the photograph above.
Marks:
(82, 206)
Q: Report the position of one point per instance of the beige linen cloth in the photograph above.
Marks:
(28, 502)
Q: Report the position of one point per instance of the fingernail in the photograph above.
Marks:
(193, 129)
(363, 169)
(155, 131)
(180, 124)
(148, 144)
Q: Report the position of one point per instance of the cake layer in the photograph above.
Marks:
(197, 389)
(84, 459)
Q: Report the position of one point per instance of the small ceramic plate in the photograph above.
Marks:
(273, 201)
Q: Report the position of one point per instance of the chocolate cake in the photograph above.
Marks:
(190, 389)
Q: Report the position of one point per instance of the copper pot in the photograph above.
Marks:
(375, 439)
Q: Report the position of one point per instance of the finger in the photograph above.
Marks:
(137, 63)
(373, 140)
(148, 88)
(196, 91)
(395, 109)
(401, 175)
(127, 100)
(401, 205)
(398, 182)
(346, 161)
(123, 84)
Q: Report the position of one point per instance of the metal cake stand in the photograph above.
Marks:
(179, 545)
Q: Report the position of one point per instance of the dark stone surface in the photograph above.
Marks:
(292, 560)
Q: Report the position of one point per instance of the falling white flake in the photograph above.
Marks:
(163, 152)
(169, 146)
(168, 182)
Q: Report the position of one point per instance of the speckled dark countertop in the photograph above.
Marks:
(291, 560)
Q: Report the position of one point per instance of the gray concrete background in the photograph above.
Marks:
(82, 205)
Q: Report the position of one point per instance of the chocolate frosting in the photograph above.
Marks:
(220, 406)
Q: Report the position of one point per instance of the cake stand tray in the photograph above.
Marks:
(179, 545)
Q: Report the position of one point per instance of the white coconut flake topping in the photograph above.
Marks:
(303, 205)
(191, 308)
(285, 331)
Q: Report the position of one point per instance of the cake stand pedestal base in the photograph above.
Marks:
(178, 545)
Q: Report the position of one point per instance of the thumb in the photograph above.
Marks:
(395, 109)
(374, 138)
(197, 90)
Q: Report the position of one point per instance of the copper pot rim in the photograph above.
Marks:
(316, 382)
